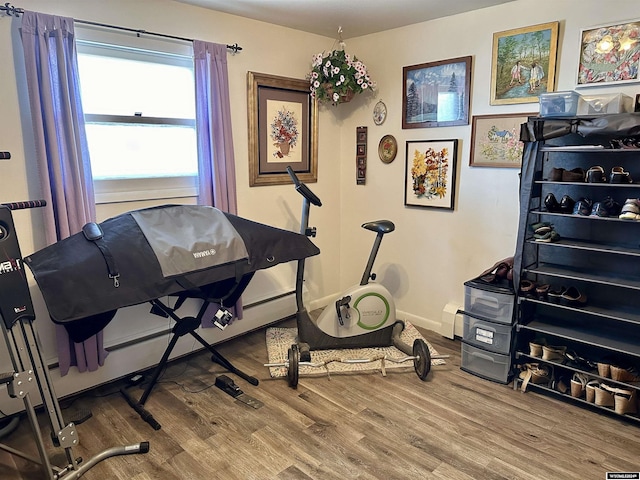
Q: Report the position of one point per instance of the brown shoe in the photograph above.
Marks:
(575, 175)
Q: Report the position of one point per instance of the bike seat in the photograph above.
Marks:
(380, 226)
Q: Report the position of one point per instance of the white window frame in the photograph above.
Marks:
(96, 40)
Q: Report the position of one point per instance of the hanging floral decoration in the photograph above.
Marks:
(284, 131)
(336, 77)
(429, 173)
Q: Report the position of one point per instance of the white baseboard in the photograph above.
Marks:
(134, 357)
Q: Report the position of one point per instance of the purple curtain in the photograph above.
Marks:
(216, 163)
(61, 150)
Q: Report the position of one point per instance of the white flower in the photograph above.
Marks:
(336, 97)
(341, 78)
(316, 84)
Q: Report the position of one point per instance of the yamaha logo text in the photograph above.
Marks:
(204, 253)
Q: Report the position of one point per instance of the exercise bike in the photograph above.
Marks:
(365, 316)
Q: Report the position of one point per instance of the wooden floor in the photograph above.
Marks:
(453, 426)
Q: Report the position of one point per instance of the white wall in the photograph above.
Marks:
(433, 252)
(266, 49)
(425, 262)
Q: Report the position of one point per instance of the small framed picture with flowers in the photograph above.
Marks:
(430, 173)
(283, 130)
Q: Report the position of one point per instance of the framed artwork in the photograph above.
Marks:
(609, 54)
(283, 130)
(436, 94)
(495, 140)
(430, 173)
(523, 64)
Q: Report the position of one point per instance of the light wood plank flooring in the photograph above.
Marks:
(453, 426)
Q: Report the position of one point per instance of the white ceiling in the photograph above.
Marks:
(356, 17)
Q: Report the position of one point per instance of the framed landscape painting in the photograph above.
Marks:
(436, 94)
(523, 64)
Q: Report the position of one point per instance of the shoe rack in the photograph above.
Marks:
(594, 329)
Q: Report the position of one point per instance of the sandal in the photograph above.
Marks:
(590, 390)
(578, 385)
(605, 395)
(534, 373)
(625, 401)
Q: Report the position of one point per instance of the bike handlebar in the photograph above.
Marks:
(303, 189)
(25, 204)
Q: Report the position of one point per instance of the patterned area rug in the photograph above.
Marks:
(279, 340)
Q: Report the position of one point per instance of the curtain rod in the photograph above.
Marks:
(15, 11)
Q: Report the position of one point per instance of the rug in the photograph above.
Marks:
(279, 340)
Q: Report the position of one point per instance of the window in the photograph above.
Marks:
(139, 107)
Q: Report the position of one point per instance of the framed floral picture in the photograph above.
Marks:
(523, 64)
(436, 94)
(430, 173)
(283, 130)
(609, 54)
(495, 140)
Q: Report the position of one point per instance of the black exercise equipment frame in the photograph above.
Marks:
(30, 373)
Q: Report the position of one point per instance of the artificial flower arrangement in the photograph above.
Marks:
(429, 173)
(284, 131)
(337, 76)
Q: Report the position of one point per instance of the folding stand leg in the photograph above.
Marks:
(183, 326)
(30, 372)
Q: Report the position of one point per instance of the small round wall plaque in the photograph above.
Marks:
(387, 148)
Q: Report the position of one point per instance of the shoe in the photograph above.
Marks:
(534, 373)
(573, 298)
(548, 237)
(541, 227)
(604, 396)
(624, 374)
(578, 385)
(566, 204)
(535, 349)
(553, 354)
(599, 210)
(612, 206)
(575, 175)
(527, 288)
(625, 400)
(541, 291)
(618, 175)
(630, 209)
(551, 203)
(556, 174)
(583, 207)
(604, 369)
(590, 390)
(576, 361)
(554, 295)
(595, 175)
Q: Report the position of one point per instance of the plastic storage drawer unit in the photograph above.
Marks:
(559, 104)
(485, 364)
(490, 304)
(488, 335)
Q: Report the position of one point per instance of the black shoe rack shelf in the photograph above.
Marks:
(599, 256)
